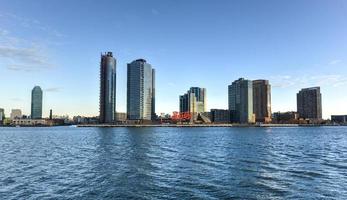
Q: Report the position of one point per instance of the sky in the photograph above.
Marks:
(57, 44)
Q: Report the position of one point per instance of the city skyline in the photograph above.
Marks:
(207, 50)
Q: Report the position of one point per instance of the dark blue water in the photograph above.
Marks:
(173, 163)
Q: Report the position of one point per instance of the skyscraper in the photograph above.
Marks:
(107, 88)
(309, 103)
(262, 101)
(240, 100)
(194, 101)
(140, 90)
(36, 103)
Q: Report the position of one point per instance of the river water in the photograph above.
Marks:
(173, 163)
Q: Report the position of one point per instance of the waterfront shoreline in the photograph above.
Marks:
(197, 125)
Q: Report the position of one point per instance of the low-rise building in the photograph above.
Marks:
(121, 117)
(85, 120)
(339, 119)
(30, 122)
(290, 117)
(220, 116)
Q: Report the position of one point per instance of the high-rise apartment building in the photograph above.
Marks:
(240, 100)
(262, 101)
(107, 88)
(194, 101)
(309, 103)
(140, 90)
(36, 103)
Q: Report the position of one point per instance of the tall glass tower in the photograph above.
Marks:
(240, 99)
(36, 103)
(140, 91)
(107, 88)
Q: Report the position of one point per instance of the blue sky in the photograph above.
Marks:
(57, 44)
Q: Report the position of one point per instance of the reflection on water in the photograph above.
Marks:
(173, 163)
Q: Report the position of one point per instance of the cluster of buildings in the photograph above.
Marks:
(35, 118)
(249, 102)
(140, 92)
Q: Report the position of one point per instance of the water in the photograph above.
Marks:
(173, 163)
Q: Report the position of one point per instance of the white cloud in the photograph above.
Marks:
(53, 89)
(286, 81)
(18, 54)
(334, 62)
(30, 24)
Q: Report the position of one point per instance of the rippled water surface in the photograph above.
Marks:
(173, 163)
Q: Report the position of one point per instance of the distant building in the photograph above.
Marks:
(285, 117)
(121, 117)
(85, 120)
(140, 91)
(339, 119)
(309, 103)
(240, 100)
(220, 116)
(194, 101)
(30, 122)
(36, 103)
(2, 115)
(262, 101)
(16, 114)
(107, 97)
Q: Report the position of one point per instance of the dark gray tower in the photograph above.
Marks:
(107, 88)
(309, 103)
(36, 103)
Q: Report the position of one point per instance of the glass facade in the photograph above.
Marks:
(36, 103)
(193, 101)
(140, 90)
(107, 88)
(240, 100)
